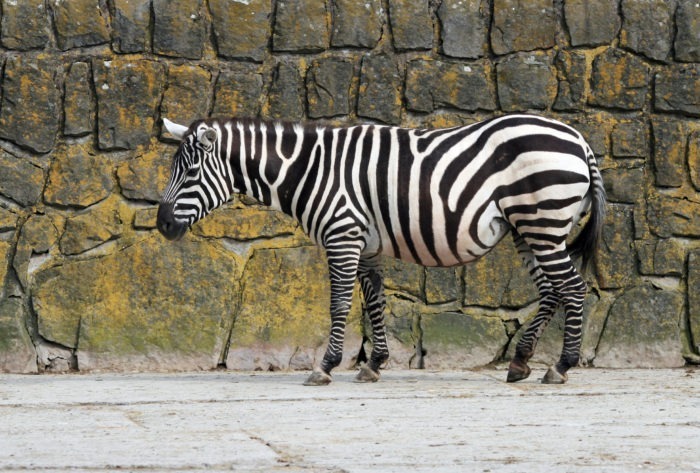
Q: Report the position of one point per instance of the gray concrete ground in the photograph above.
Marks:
(411, 421)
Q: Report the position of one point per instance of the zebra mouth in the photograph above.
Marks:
(168, 225)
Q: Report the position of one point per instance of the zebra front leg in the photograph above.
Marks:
(372, 284)
(342, 266)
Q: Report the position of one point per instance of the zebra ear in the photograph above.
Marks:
(178, 131)
(207, 137)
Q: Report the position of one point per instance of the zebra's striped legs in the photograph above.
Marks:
(573, 292)
(548, 303)
(343, 260)
(558, 282)
(372, 284)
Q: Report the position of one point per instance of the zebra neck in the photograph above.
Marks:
(269, 160)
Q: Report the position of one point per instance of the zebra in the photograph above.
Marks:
(437, 197)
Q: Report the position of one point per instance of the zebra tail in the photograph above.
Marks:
(588, 240)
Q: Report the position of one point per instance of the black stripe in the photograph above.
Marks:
(405, 158)
(382, 184)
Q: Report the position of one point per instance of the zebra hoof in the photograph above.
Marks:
(318, 378)
(517, 372)
(554, 377)
(366, 375)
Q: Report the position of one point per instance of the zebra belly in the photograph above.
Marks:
(412, 247)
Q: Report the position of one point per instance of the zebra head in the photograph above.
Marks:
(196, 186)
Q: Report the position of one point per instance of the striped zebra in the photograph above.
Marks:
(440, 197)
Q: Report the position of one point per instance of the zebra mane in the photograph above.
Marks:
(256, 122)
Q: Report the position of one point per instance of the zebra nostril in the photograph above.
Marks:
(167, 225)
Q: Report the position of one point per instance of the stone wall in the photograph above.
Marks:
(88, 284)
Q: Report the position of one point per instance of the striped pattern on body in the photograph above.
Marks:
(440, 197)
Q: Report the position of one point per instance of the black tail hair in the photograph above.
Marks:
(587, 241)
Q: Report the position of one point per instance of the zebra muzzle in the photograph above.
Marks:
(170, 227)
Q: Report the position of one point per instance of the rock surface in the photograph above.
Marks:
(85, 158)
(92, 306)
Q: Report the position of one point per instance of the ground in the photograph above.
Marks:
(418, 421)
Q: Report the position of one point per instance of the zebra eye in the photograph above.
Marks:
(192, 172)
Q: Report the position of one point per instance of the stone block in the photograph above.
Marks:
(464, 32)
(29, 115)
(164, 321)
(356, 24)
(238, 92)
(592, 22)
(434, 84)
(79, 102)
(669, 152)
(145, 219)
(20, 180)
(78, 177)
(178, 28)
(411, 24)
(677, 89)
(300, 26)
(144, 178)
(572, 75)
(624, 185)
(241, 29)
(17, 353)
(380, 89)
(6, 248)
(595, 128)
(523, 26)
(8, 221)
(664, 257)
(188, 94)
(328, 83)
(694, 297)
(694, 158)
(128, 93)
(80, 23)
(404, 332)
(92, 228)
(283, 320)
(443, 285)
(630, 139)
(647, 27)
(131, 26)
(616, 260)
(526, 81)
(498, 279)
(403, 276)
(687, 41)
(38, 235)
(669, 216)
(459, 341)
(619, 80)
(244, 224)
(642, 330)
(25, 24)
(286, 96)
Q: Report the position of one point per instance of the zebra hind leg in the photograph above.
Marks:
(372, 284)
(548, 303)
(573, 289)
